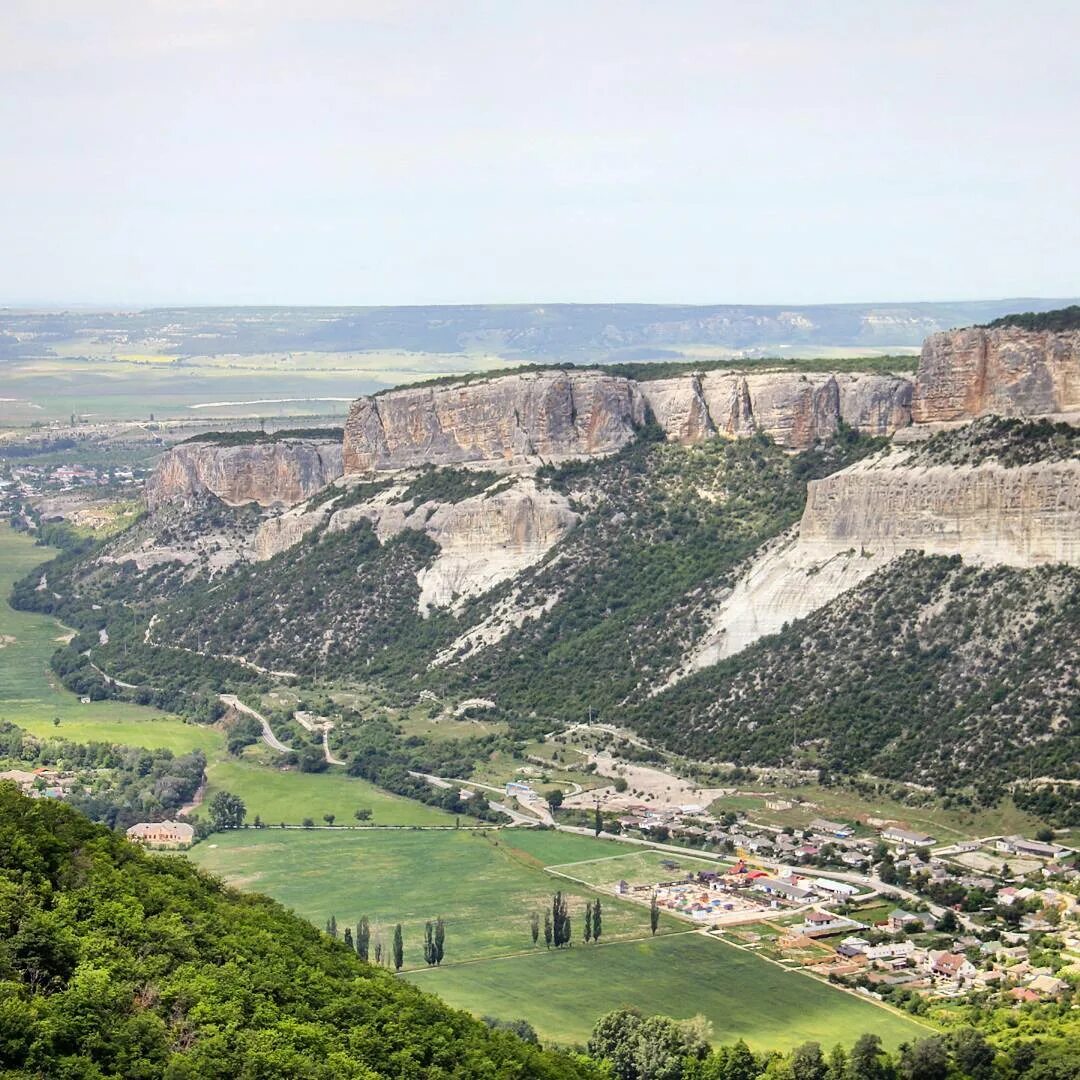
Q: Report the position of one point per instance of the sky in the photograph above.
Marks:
(455, 151)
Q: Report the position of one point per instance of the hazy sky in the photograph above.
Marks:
(367, 151)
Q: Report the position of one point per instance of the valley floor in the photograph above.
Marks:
(486, 885)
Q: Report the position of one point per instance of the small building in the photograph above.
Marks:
(902, 920)
(1048, 985)
(777, 804)
(823, 920)
(953, 966)
(773, 887)
(1019, 845)
(905, 836)
(832, 828)
(837, 888)
(162, 833)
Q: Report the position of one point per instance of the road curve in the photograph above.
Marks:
(268, 735)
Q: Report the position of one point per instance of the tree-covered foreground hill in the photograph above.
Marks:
(117, 963)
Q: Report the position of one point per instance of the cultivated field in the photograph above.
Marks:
(278, 795)
(130, 386)
(683, 975)
(485, 886)
(636, 866)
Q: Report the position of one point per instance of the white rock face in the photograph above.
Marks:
(1022, 516)
(483, 540)
(271, 473)
(861, 518)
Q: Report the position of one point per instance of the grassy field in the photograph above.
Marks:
(635, 866)
(32, 697)
(682, 975)
(278, 795)
(485, 886)
(131, 385)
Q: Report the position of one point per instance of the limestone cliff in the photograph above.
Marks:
(515, 421)
(483, 540)
(863, 517)
(1007, 371)
(271, 472)
(520, 421)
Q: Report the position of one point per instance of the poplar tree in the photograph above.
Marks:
(547, 929)
(399, 948)
(654, 914)
(598, 821)
(597, 924)
(588, 922)
(534, 927)
(429, 945)
(348, 938)
(331, 926)
(440, 939)
(363, 938)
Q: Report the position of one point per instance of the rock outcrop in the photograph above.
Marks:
(516, 421)
(270, 473)
(858, 520)
(483, 540)
(521, 421)
(1021, 517)
(1007, 371)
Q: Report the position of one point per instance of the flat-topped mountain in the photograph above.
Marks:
(562, 539)
(245, 468)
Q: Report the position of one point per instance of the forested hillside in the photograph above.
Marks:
(932, 669)
(662, 526)
(115, 963)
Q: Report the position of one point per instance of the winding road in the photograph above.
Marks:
(268, 735)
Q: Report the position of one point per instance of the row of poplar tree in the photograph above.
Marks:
(372, 950)
(557, 923)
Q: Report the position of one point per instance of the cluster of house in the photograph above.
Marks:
(30, 481)
(162, 834)
(710, 895)
(39, 783)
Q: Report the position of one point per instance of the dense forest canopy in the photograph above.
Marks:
(117, 963)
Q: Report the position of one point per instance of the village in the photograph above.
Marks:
(894, 916)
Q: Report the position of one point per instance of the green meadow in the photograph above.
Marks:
(486, 884)
(681, 975)
(32, 697)
(279, 795)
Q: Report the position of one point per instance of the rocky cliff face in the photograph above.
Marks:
(513, 422)
(1007, 371)
(269, 473)
(795, 409)
(483, 540)
(520, 421)
(1021, 517)
(858, 520)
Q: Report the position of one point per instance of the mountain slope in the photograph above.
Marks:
(933, 670)
(118, 963)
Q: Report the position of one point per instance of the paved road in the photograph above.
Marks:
(268, 735)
